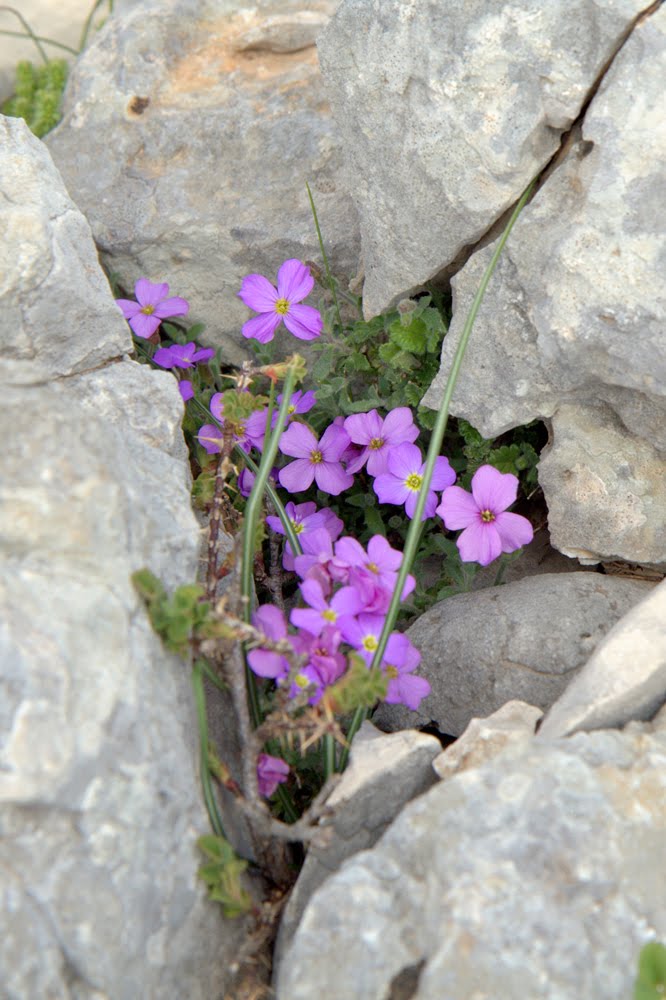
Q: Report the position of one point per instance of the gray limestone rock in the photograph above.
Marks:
(218, 117)
(605, 488)
(484, 739)
(447, 111)
(100, 804)
(535, 875)
(572, 323)
(624, 679)
(384, 774)
(526, 640)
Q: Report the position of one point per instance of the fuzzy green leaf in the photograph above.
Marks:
(651, 981)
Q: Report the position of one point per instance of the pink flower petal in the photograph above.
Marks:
(413, 499)
(363, 427)
(399, 426)
(304, 322)
(172, 307)
(128, 308)
(333, 442)
(144, 326)
(493, 490)
(331, 478)
(514, 531)
(404, 460)
(480, 543)
(294, 281)
(257, 293)
(149, 294)
(298, 441)
(297, 476)
(262, 327)
(443, 475)
(407, 690)
(389, 489)
(458, 508)
(313, 594)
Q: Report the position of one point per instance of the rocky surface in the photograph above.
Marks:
(98, 782)
(624, 679)
(384, 774)
(533, 875)
(219, 117)
(525, 640)
(448, 111)
(484, 739)
(572, 324)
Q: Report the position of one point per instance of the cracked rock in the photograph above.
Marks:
(624, 679)
(535, 875)
(572, 323)
(384, 773)
(447, 111)
(219, 117)
(526, 640)
(100, 803)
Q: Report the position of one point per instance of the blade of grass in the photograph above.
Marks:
(30, 33)
(329, 276)
(437, 436)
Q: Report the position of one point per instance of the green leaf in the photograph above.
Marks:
(410, 338)
(222, 875)
(651, 981)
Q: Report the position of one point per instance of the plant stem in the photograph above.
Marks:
(252, 511)
(202, 721)
(329, 756)
(329, 276)
(359, 717)
(39, 38)
(29, 32)
(438, 432)
(88, 24)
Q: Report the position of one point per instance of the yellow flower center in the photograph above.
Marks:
(376, 444)
(282, 306)
(487, 516)
(373, 567)
(329, 615)
(297, 526)
(391, 671)
(301, 681)
(413, 482)
(370, 643)
(316, 457)
(148, 310)
(291, 409)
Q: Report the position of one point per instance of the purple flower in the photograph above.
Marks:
(363, 634)
(305, 518)
(345, 603)
(325, 664)
(182, 355)
(488, 529)
(380, 561)
(151, 307)
(216, 407)
(300, 402)
(246, 480)
(379, 436)
(318, 460)
(266, 662)
(294, 283)
(400, 659)
(185, 389)
(271, 772)
(210, 438)
(402, 483)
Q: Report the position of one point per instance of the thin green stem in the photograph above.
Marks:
(438, 432)
(359, 717)
(292, 537)
(329, 276)
(329, 756)
(29, 32)
(88, 24)
(39, 38)
(252, 511)
(202, 721)
(288, 808)
(212, 676)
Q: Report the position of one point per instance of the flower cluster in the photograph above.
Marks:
(345, 589)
